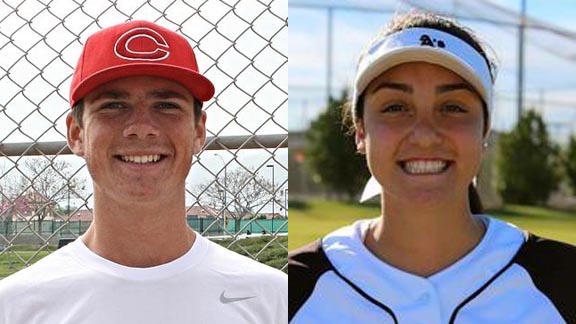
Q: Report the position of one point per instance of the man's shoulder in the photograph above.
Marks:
(231, 272)
(51, 268)
(230, 263)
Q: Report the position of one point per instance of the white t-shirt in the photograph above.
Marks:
(209, 284)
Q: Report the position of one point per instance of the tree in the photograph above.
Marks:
(8, 203)
(569, 163)
(239, 195)
(8, 191)
(527, 162)
(331, 153)
(48, 182)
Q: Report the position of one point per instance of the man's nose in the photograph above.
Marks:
(141, 124)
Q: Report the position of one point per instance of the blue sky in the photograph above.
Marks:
(550, 79)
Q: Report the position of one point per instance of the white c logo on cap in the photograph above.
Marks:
(122, 47)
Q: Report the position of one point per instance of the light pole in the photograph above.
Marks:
(225, 192)
(68, 207)
(521, 48)
(286, 202)
(284, 194)
(273, 193)
(68, 210)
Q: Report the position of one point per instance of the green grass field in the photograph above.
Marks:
(310, 221)
(274, 255)
(12, 260)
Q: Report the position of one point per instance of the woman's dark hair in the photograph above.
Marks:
(474, 200)
(427, 20)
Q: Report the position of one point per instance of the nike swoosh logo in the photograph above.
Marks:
(228, 300)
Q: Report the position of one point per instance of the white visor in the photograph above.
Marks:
(423, 45)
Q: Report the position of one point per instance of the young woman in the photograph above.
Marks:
(421, 110)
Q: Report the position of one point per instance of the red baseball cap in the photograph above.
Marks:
(137, 48)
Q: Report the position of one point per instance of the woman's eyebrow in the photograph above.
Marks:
(394, 86)
(454, 87)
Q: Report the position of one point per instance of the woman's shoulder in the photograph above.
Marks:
(308, 264)
(551, 266)
(308, 260)
(313, 256)
(305, 267)
(543, 255)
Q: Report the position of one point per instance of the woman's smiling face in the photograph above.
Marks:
(422, 132)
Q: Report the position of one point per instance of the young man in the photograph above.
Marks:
(136, 119)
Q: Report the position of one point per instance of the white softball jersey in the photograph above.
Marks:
(510, 277)
(209, 284)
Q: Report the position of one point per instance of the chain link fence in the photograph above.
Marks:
(237, 188)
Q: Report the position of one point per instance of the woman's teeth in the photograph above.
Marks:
(424, 167)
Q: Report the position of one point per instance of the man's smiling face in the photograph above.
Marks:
(138, 137)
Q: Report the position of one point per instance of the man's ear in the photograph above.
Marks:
(360, 137)
(75, 136)
(199, 133)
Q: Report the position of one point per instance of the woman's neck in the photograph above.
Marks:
(424, 240)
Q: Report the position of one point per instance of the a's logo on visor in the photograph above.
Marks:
(141, 44)
(426, 40)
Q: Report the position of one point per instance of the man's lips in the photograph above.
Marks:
(141, 158)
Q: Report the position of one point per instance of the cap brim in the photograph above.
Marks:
(200, 87)
(420, 54)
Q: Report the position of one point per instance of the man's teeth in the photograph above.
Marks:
(422, 167)
(141, 159)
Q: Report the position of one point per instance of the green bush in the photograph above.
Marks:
(275, 255)
(528, 162)
(297, 204)
(331, 153)
(569, 163)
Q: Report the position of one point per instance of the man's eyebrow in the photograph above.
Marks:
(394, 86)
(111, 94)
(166, 94)
(453, 87)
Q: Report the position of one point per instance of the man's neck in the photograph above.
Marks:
(139, 234)
(426, 240)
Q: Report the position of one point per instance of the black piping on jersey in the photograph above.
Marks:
(391, 312)
(366, 296)
(550, 265)
(454, 313)
(456, 310)
(479, 291)
(293, 309)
